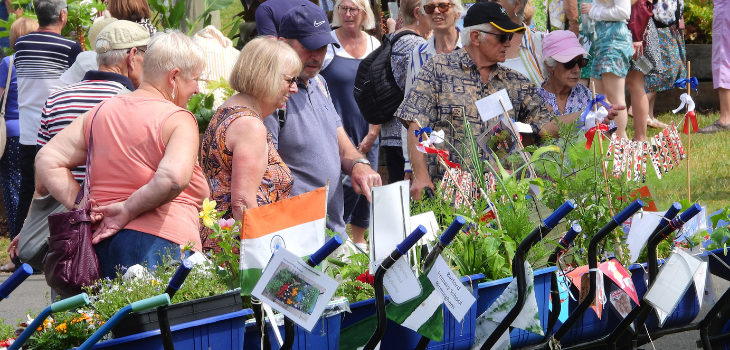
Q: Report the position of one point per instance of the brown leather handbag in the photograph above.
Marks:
(71, 261)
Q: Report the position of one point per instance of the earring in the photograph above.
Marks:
(418, 23)
(173, 91)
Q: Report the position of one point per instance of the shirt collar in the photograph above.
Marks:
(430, 48)
(467, 64)
(111, 76)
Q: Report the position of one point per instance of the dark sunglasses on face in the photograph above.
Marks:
(503, 37)
(581, 62)
(443, 7)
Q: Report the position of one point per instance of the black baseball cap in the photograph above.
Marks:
(492, 13)
(307, 23)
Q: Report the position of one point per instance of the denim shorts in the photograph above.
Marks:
(130, 247)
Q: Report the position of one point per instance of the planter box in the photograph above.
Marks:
(218, 332)
(490, 291)
(457, 335)
(686, 310)
(324, 336)
(188, 311)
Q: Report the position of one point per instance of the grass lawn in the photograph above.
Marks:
(710, 174)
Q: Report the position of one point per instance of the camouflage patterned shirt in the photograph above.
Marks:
(445, 91)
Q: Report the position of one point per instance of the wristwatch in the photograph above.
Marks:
(361, 160)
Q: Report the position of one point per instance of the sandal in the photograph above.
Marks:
(655, 123)
(9, 268)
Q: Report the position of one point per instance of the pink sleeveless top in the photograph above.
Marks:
(128, 148)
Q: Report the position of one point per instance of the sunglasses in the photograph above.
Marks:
(290, 79)
(503, 37)
(443, 7)
(581, 62)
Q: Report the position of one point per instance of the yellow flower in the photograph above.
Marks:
(208, 213)
(61, 328)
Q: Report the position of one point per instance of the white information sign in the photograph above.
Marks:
(457, 297)
(489, 107)
(400, 282)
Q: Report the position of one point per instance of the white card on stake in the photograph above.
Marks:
(400, 282)
(428, 220)
(390, 219)
(489, 107)
(457, 297)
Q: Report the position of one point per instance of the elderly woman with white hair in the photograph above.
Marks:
(145, 182)
(339, 69)
(524, 54)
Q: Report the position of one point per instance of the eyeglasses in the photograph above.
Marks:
(503, 37)
(581, 62)
(443, 7)
(352, 10)
(290, 79)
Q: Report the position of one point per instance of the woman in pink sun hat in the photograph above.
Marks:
(564, 57)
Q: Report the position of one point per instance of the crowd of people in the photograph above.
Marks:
(294, 124)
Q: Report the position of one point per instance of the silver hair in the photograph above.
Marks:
(466, 32)
(458, 7)
(169, 50)
(48, 11)
(111, 57)
(549, 63)
(519, 12)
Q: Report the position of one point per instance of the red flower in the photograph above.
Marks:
(366, 278)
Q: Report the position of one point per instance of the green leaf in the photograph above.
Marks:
(536, 155)
(176, 14)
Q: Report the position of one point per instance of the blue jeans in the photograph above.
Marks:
(130, 247)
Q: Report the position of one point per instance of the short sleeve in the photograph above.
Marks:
(265, 21)
(75, 51)
(4, 71)
(329, 56)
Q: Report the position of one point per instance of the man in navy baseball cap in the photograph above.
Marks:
(306, 29)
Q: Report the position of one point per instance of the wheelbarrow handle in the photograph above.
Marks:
(452, 230)
(150, 303)
(63, 305)
(15, 280)
(407, 243)
(179, 277)
(569, 236)
(327, 249)
(558, 214)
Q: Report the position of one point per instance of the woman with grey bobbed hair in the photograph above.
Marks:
(146, 186)
(524, 53)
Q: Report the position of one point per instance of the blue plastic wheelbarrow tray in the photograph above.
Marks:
(217, 332)
(490, 291)
(686, 310)
(457, 335)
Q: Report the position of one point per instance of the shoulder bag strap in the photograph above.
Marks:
(83, 196)
(7, 87)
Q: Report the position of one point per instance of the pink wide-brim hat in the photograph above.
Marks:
(562, 46)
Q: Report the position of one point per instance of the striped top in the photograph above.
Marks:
(40, 59)
(65, 104)
(220, 56)
(44, 55)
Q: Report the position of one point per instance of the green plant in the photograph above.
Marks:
(202, 105)
(172, 17)
(698, 21)
(720, 234)
(65, 330)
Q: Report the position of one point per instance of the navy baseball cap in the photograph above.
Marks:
(307, 23)
(493, 13)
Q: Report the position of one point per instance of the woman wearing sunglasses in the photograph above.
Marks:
(339, 69)
(564, 58)
(524, 55)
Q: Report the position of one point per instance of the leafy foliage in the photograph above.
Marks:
(202, 105)
(64, 330)
(698, 21)
(720, 234)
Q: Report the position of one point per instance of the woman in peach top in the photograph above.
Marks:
(145, 178)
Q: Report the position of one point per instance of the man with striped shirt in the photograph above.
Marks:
(40, 59)
(120, 48)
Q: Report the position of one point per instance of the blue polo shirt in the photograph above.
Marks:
(307, 143)
(269, 14)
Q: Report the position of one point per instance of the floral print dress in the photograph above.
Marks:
(217, 161)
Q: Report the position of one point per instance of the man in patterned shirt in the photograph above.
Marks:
(448, 85)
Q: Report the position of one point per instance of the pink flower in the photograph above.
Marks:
(226, 224)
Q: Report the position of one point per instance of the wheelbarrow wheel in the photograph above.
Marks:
(721, 325)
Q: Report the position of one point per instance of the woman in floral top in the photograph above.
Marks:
(239, 158)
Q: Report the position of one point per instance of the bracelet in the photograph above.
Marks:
(358, 161)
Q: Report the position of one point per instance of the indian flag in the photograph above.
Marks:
(422, 315)
(296, 223)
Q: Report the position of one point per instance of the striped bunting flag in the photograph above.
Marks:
(296, 223)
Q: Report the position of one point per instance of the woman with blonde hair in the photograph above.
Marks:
(10, 160)
(238, 153)
(339, 69)
(144, 174)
